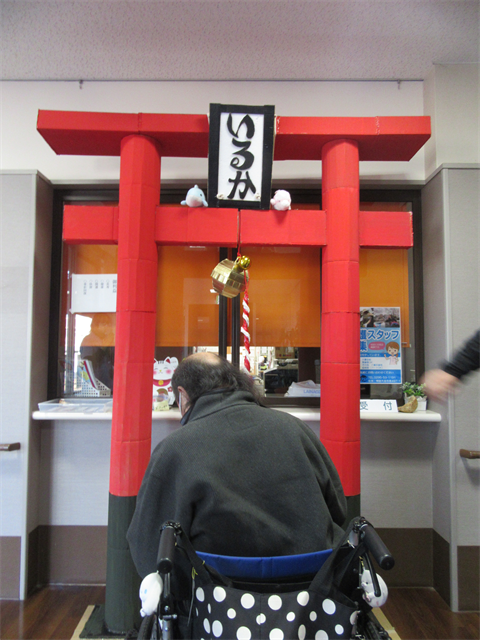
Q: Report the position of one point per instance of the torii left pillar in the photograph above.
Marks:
(134, 354)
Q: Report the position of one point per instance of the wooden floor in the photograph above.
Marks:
(422, 614)
(50, 613)
(53, 613)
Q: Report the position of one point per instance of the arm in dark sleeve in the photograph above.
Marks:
(329, 480)
(334, 495)
(466, 359)
(155, 505)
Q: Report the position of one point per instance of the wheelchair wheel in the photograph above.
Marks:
(149, 629)
(373, 630)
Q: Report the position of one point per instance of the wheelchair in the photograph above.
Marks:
(348, 585)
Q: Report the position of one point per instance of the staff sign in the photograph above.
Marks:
(240, 156)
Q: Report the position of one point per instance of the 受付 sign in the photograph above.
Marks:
(379, 406)
(240, 156)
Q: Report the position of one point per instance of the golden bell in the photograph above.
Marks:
(230, 278)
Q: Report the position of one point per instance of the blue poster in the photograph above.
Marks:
(380, 345)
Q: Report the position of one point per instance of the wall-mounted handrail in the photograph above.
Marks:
(13, 446)
(465, 453)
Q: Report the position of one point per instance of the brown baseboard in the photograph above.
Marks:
(70, 555)
(469, 578)
(77, 555)
(10, 553)
(412, 550)
(441, 566)
(33, 577)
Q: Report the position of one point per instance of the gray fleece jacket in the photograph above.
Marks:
(242, 480)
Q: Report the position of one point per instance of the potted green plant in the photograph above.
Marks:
(418, 390)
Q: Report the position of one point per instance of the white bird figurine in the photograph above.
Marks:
(281, 201)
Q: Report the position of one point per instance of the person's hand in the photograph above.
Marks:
(438, 384)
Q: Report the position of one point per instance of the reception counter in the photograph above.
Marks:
(306, 414)
(397, 452)
(396, 463)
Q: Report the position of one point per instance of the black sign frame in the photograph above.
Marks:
(268, 111)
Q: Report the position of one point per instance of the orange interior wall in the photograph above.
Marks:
(285, 289)
(187, 313)
(384, 283)
(284, 293)
(384, 273)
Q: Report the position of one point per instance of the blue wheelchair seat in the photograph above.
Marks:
(266, 568)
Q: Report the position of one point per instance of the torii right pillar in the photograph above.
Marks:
(341, 143)
(340, 342)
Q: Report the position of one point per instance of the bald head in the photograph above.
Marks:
(204, 372)
(205, 356)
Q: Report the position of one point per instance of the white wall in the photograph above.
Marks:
(464, 245)
(396, 471)
(25, 214)
(451, 96)
(435, 316)
(24, 148)
(451, 249)
(75, 470)
(17, 240)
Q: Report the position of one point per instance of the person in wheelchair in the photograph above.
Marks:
(242, 479)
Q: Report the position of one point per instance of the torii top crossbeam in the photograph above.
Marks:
(186, 136)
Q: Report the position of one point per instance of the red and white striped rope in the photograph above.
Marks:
(245, 329)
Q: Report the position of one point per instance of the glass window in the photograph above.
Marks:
(285, 306)
(392, 278)
(284, 301)
(87, 337)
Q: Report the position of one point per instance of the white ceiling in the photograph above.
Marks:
(235, 39)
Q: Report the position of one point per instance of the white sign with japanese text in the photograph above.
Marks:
(92, 293)
(240, 159)
(379, 406)
(240, 156)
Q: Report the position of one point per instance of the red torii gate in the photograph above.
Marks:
(138, 224)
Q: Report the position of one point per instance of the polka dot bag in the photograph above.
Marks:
(223, 612)
(222, 609)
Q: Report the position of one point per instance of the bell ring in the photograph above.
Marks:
(230, 278)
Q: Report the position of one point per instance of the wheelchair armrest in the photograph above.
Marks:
(376, 546)
(166, 549)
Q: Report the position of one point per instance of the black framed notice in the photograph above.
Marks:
(240, 156)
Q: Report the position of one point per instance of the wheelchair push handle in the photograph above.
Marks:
(376, 546)
(166, 549)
